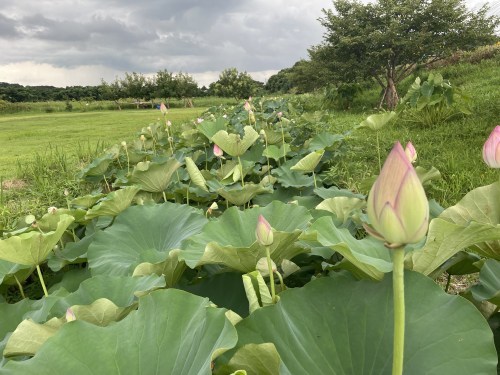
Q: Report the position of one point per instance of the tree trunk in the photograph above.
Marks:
(391, 95)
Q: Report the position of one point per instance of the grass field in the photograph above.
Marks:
(23, 136)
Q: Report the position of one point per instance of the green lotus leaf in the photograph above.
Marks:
(12, 314)
(86, 201)
(378, 121)
(324, 141)
(445, 239)
(308, 162)
(253, 359)
(488, 288)
(233, 144)
(368, 255)
(32, 248)
(152, 176)
(210, 128)
(273, 152)
(256, 290)
(481, 205)
(142, 234)
(239, 196)
(425, 175)
(195, 174)
(49, 221)
(172, 332)
(9, 269)
(172, 268)
(231, 240)
(114, 203)
(344, 327)
(333, 192)
(273, 137)
(342, 207)
(97, 168)
(288, 178)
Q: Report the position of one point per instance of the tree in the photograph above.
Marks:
(389, 39)
(137, 86)
(185, 87)
(232, 83)
(279, 82)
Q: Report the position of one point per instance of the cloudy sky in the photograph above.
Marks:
(78, 42)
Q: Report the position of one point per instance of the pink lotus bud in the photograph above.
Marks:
(169, 123)
(397, 206)
(411, 152)
(279, 114)
(264, 232)
(491, 149)
(217, 151)
(70, 315)
(247, 106)
(199, 120)
(163, 108)
(52, 210)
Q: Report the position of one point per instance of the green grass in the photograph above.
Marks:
(23, 136)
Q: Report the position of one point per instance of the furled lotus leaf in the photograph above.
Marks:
(172, 332)
(257, 291)
(143, 234)
(172, 268)
(330, 326)
(368, 255)
(254, 359)
(195, 174)
(231, 240)
(32, 248)
(308, 162)
(97, 168)
(233, 144)
(210, 128)
(86, 201)
(152, 176)
(378, 121)
(114, 203)
(273, 152)
(273, 137)
(325, 141)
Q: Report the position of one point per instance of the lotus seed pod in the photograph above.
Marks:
(264, 232)
(491, 149)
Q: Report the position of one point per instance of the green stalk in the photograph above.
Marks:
(21, 290)
(283, 287)
(271, 273)
(241, 171)
(314, 178)
(283, 138)
(42, 281)
(399, 310)
(378, 151)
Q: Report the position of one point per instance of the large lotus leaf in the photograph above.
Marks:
(86, 201)
(114, 203)
(489, 283)
(195, 174)
(97, 168)
(210, 128)
(253, 359)
(341, 326)
(324, 141)
(122, 291)
(273, 137)
(308, 162)
(142, 234)
(483, 206)
(172, 332)
(231, 239)
(342, 207)
(368, 255)
(288, 178)
(445, 239)
(334, 191)
(239, 196)
(32, 248)
(8, 269)
(154, 177)
(273, 152)
(12, 314)
(172, 268)
(378, 121)
(233, 144)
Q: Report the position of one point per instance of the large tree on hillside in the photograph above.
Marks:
(386, 40)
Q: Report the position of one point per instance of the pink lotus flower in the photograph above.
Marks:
(264, 232)
(411, 152)
(491, 149)
(163, 108)
(247, 106)
(397, 207)
(217, 151)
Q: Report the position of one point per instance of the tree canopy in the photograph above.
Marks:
(387, 40)
(234, 84)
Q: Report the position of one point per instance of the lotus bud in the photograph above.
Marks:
(169, 123)
(213, 207)
(52, 210)
(217, 151)
(251, 117)
(397, 207)
(264, 232)
(199, 120)
(149, 129)
(142, 138)
(124, 144)
(163, 108)
(491, 149)
(70, 315)
(279, 114)
(66, 192)
(224, 116)
(411, 152)
(247, 106)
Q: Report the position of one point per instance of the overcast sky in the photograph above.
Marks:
(78, 42)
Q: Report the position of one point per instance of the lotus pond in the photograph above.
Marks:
(222, 246)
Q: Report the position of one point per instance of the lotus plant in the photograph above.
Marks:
(411, 152)
(264, 234)
(398, 212)
(491, 149)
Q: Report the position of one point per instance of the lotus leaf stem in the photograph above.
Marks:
(271, 273)
(283, 139)
(164, 196)
(40, 276)
(378, 152)
(399, 310)
(315, 184)
(21, 290)
(283, 287)
(241, 171)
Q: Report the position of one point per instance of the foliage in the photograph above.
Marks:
(234, 84)
(387, 40)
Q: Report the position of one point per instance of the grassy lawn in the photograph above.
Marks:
(22, 136)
